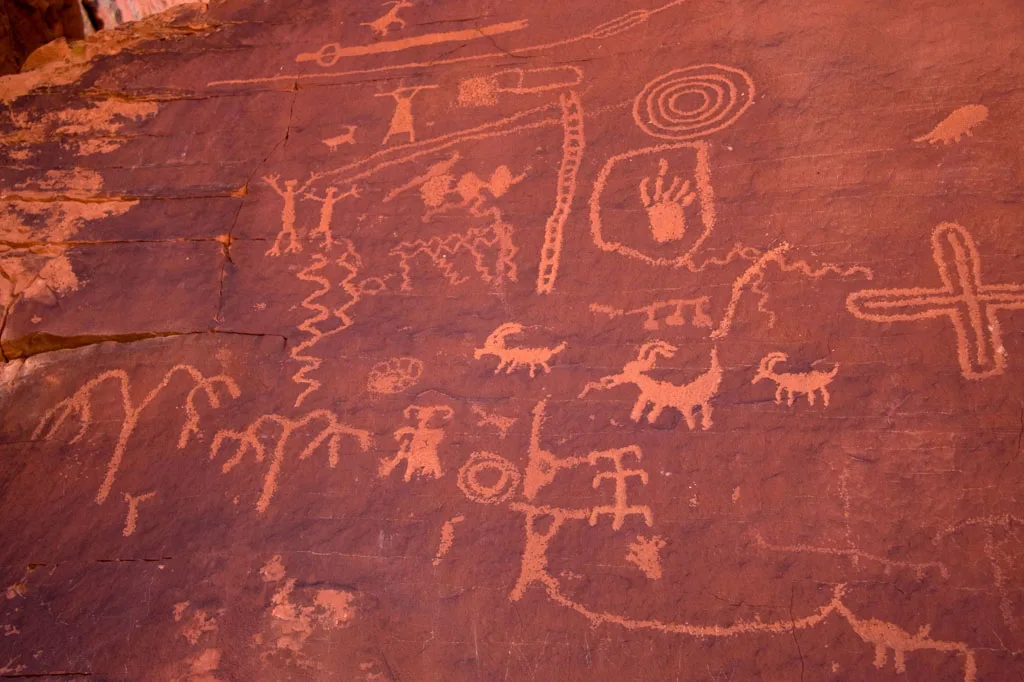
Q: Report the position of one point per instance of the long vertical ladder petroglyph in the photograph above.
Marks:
(572, 155)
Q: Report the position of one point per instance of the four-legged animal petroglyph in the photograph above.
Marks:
(699, 317)
(511, 358)
(687, 398)
(382, 25)
(666, 207)
(80, 404)
(959, 123)
(347, 137)
(418, 445)
(331, 431)
(963, 298)
(793, 384)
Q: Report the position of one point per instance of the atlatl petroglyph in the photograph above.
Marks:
(699, 314)
(793, 384)
(666, 205)
(959, 123)
(381, 26)
(687, 398)
(511, 358)
(330, 431)
(418, 445)
(402, 122)
(619, 476)
(394, 375)
(479, 91)
(969, 304)
(855, 556)
(80, 405)
(645, 554)
(132, 518)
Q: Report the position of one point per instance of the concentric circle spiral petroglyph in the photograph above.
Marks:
(688, 103)
(482, 465)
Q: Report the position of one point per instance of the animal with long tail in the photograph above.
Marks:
(687, 398)
(512, 358)
(793, 384)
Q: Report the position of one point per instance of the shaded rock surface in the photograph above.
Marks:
(516, 341)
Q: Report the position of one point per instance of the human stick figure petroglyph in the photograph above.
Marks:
(394, 375)
(418, 445)
(793, 384)
(327, 201)
(331, 431)
(512, 358)
(382, 25)
(287, 217)
(132, 518)
(959, 123)
(402, 120)
(700, 317)
(573, 144)
(686, 398)
(80, 405)
(666, 207)
(963, 298)
(352, 264)
(348, 137)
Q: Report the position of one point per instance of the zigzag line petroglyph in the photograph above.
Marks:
(565, 190)
(888, 565)
(971, 306)
(352, 263)
(701, 317)
(80, 404)
(610, 28)
(247, 440)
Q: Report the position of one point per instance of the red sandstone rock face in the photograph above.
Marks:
(516, 342)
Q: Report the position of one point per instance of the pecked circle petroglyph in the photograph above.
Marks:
(688, 103)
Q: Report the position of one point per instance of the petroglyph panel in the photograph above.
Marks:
(526, 341)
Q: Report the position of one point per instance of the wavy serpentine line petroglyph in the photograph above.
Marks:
(686, 398)
(132, 518)
(609, 28)
(573, 144)
(250, 440)
(352, 263)
(959, 123)
(971, 306)
(888, 565)
(330, 53)
(794, 384)
(700, 317)
(79, 403)
(753, 278)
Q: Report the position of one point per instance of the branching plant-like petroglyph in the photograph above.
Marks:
(621, 508)
(511, 358)
(80, 405)
(394, 376)
(963, 298)
(959, 123)
(687, 398)
(418, 445)
(699, 314)
(793, 384)
(330, 432)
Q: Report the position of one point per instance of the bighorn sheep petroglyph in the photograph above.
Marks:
(661, 394)
(512, 358)
(793, 384)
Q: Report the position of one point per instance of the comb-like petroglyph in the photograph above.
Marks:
(523, 341)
